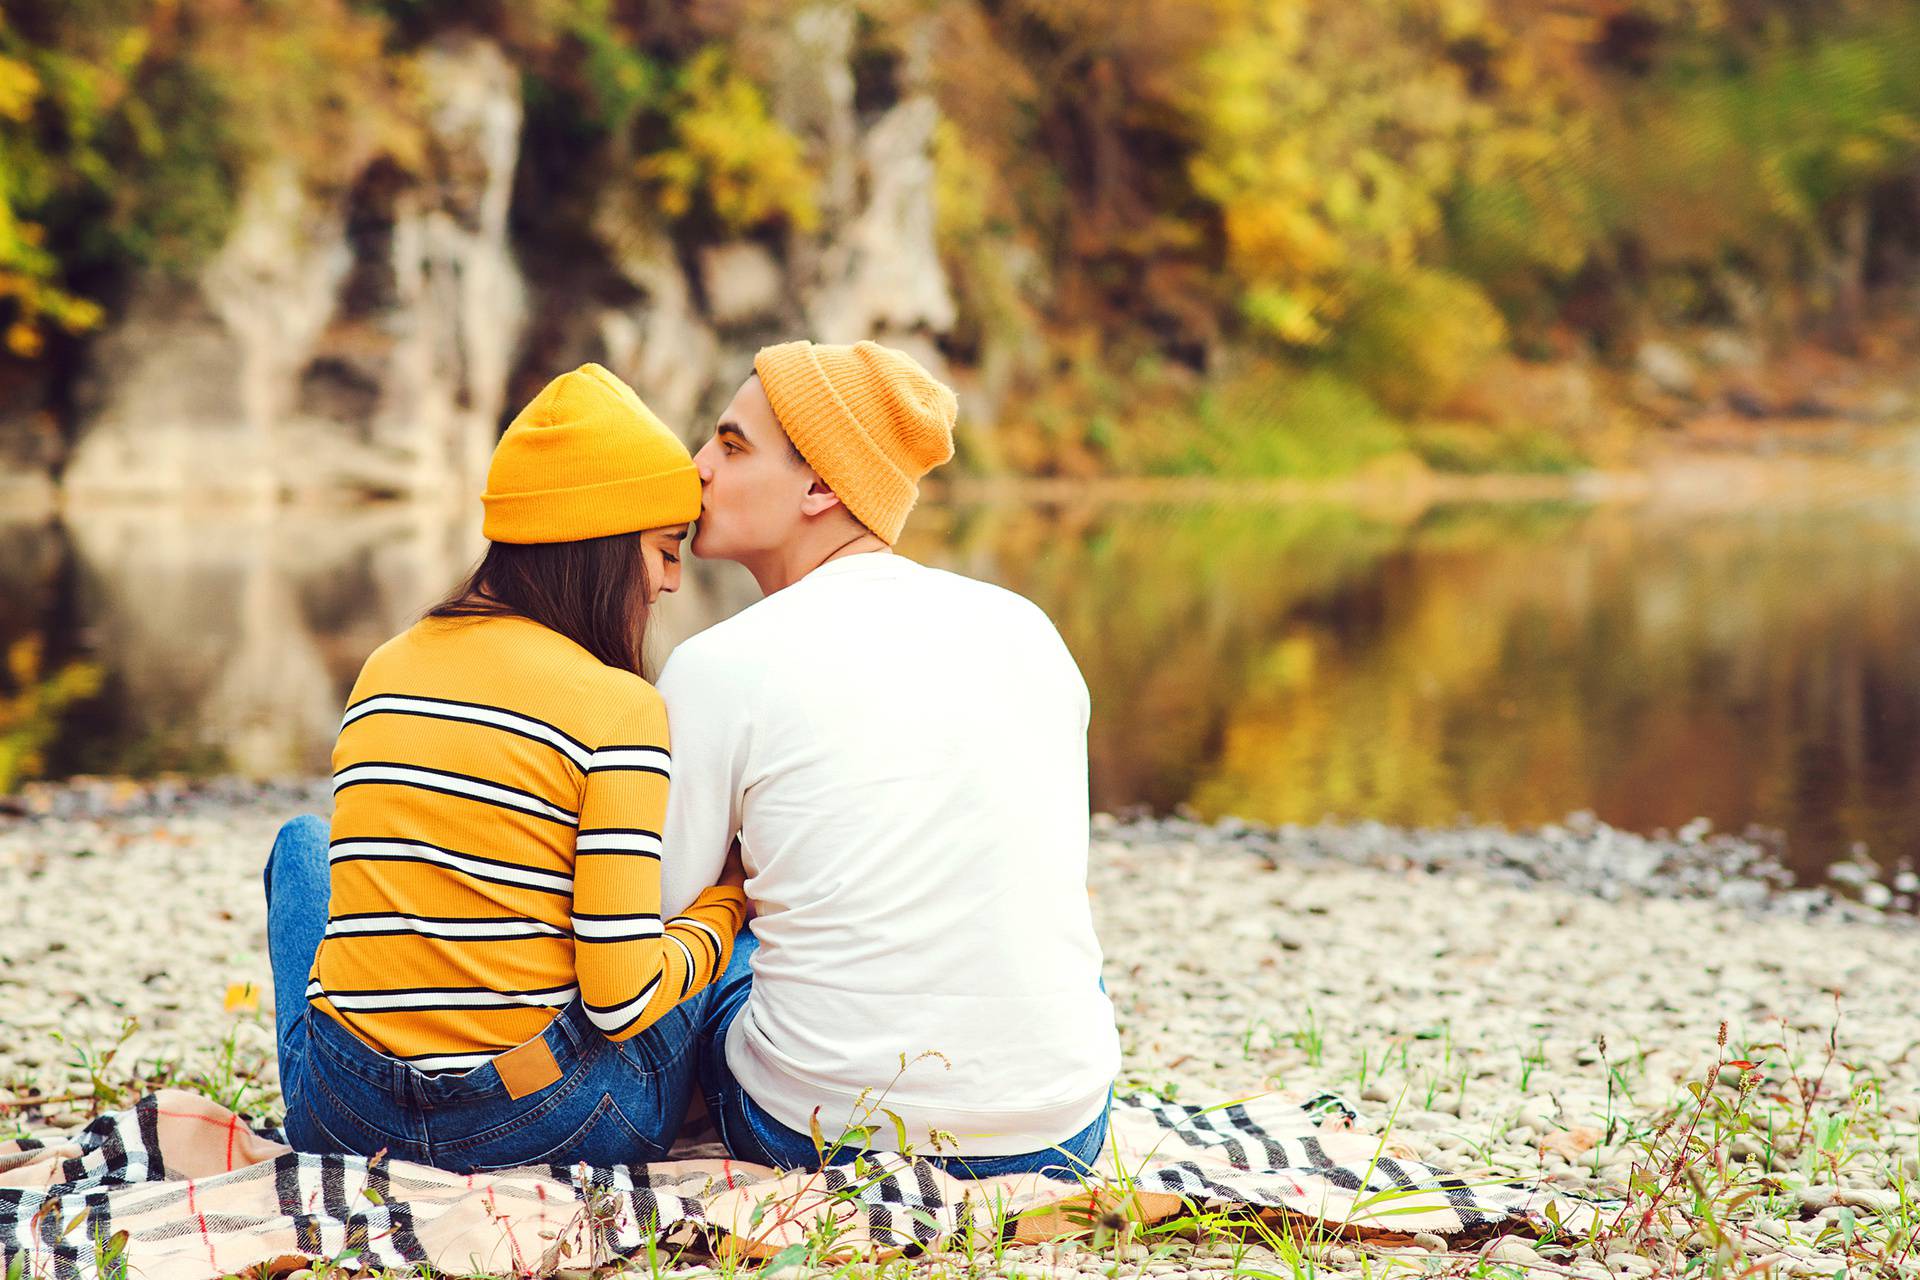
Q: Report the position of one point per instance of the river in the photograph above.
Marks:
(1754, 663)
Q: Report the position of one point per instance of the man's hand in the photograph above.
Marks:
(733, 872)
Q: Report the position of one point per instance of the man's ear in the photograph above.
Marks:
(818, 499)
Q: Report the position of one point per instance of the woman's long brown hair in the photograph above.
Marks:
(593, 592)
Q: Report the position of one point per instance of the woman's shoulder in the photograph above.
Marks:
(634, 710)
(517, 666)
(603, 703)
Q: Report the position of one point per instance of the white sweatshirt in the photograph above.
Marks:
(904, 754)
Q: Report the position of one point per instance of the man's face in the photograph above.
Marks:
(751, 484)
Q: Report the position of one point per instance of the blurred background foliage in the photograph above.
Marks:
(1266, 236)
(32, 702)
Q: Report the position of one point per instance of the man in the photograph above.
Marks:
(901, 753)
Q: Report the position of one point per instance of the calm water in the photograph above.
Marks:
(1510, 662)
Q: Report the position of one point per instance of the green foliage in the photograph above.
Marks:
(1390, 191)
(1416, 338)
(1733, 148)
(1273, 421)
(980, 235)
(1762, 152)
(1476, 447)
(125, 133)
(619, 79)
(1361, 179)
(43, 91)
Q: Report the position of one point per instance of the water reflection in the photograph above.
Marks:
(1509, 662)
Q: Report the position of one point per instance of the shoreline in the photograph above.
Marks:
(1580, 853)
(1783, 463)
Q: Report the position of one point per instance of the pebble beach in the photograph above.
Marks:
(1530, 1004)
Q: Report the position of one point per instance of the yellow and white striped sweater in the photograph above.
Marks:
(498, 800)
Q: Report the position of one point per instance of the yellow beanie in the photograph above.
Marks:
(587, 459)
(868, 418)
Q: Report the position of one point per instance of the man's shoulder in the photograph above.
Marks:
(724, 639)
(715, 661)
(993, 604)
(800, 629)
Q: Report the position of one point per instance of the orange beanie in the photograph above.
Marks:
(587, 459)
(868, 418)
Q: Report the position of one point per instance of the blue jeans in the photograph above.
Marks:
(613, 1103)
(751, 1134)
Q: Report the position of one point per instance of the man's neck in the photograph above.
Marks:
(784, 566)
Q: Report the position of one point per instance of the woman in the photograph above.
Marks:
(471, 969)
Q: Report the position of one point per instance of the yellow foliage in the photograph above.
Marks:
(309, 81)
(23, 340)
(30, 715)
(19, 86)
(27, 271)
(1330, 135)
(729, 151)
(126, 111)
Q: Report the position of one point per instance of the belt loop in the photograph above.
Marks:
(410, 1086)
(567, 1024)
(575, 1024)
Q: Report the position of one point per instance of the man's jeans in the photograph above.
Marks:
(751, 1134)
(613, 1103)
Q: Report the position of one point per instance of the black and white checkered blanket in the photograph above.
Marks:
(181, 1189)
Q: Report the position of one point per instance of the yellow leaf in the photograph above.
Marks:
(19, 86)
(23, 340)
(242, 997)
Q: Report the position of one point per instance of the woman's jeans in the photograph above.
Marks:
(751, 1134)
(613, 1103)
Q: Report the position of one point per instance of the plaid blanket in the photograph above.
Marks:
(178, 1188)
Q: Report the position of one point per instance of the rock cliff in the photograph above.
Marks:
(374, 340)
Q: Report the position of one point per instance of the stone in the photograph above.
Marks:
(1729, 350)
(207, 368)
(187, 856)
(872, 268)
(743, 282)
(1669, 369)
(660, 342)
(1513, 1249)
(30, 446)
(309, 360)
(1537, 1114)
(1570, 1144)
(1824, 1199)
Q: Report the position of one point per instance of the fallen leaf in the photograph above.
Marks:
(1570, 1143)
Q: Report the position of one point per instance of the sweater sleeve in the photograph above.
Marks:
(632, 966)
(705, 697)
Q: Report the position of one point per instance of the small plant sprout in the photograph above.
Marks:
(1532, 1060)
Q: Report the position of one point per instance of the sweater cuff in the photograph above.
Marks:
(726, 898)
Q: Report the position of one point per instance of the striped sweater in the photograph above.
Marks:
(498, 799)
